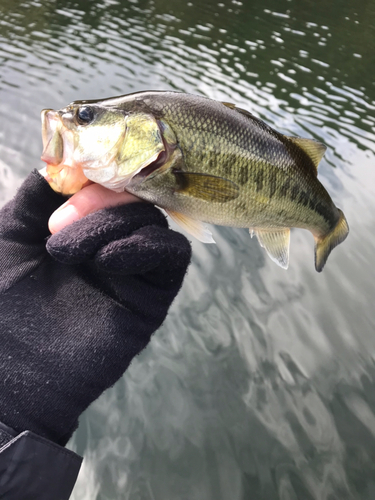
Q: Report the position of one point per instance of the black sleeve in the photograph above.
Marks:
(75, 308)
(34, 468)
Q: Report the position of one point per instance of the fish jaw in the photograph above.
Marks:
(49, 124)
(66, 180)
(63, 174)
(52, 140)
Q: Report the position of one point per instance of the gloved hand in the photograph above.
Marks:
(77, 306)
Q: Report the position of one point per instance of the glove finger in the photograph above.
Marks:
(25, 218)
(81, 240)
(147, 249)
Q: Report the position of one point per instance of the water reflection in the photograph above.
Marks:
(260, 385)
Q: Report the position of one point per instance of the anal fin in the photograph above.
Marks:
(276, 244)
(194, 227)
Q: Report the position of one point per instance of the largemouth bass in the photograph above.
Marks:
(202, 161)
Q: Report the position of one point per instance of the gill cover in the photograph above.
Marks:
(141, 146)
(128, 144)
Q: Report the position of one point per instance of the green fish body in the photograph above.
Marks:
(220, 164)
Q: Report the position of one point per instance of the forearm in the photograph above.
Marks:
(32, 467)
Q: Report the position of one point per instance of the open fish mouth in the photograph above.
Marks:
(53, 145)
(63, 175)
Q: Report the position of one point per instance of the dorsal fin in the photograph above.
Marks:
(254, 118)
(314, 149)
(230, 105)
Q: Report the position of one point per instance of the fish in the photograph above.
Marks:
(202, 161)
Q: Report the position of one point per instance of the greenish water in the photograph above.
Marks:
(261, 383)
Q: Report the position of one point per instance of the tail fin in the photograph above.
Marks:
(325, 244)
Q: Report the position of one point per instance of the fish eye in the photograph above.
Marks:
(85, 115)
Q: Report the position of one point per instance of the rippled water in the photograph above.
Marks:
(261, 383)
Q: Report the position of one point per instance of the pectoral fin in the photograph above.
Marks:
(194, 227)
(276, 244)
(206, 187)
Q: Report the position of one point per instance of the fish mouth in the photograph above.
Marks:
(53, 144)
(58, 146)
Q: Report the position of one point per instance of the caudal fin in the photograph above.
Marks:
(325, 244)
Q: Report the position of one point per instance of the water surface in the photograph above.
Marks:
(261, 383)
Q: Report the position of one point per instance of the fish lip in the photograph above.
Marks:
(52, 124)
(49, 119)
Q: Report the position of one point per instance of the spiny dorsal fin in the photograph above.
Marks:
(239, 110)
(194, 227)
(229, 105)
(314, 149)
(206, 187)
(276, 244)
(249, 115)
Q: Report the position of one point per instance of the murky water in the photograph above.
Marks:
(261, 383)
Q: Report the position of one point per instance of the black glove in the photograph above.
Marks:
(76, 307)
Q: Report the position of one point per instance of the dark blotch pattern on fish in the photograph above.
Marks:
(294, 192)
(303, 198)
(285, 188)
(258, 179)
(226, 167)
(272, 180)
(324, 211)
(242, 176)
(242, 207)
